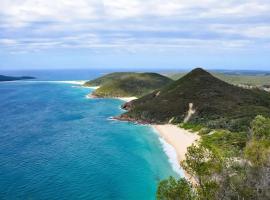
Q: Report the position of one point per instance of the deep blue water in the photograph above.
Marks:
(57, 75)
(56, 144)
(70, 74)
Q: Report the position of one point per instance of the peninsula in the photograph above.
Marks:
(127, 84)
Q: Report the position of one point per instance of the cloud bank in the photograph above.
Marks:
(133, 25)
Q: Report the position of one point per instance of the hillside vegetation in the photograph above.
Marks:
(127, 84)
(11, 78)
(231, 160)
(225, 165)
(253, 80)
(216, 103)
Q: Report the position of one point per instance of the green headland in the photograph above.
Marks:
(203, 99)
(127, 84)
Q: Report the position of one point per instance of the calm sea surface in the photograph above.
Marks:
(57, 144)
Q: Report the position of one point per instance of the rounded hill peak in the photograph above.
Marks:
(198, 70)
(198, 74)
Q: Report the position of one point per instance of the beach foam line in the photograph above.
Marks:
(67, 82)
(89, 96)
(180, 139)
(73, 82)
(171, 153)
(172, 156)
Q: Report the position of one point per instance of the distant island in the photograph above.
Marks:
(13, 78)
(127, 84)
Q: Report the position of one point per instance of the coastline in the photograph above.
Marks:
(91, 96)
(92, 87)
(175, 140)
(180, 139)
(127, 99)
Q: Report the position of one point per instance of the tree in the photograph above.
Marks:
(172, 189)
(202, 164)
(242, 174)
(257, 153)
(261, 127)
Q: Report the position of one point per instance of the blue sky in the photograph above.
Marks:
(127, 34)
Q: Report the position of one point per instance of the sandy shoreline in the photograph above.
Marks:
(127, 99)
(91, 96)
(92, 87)
(179, 138)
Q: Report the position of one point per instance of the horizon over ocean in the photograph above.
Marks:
(57, 144)
(87, 74)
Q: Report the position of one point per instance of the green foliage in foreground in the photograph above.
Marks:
(172, 189)
(228, 176)
(128, 84)
(261, 127)
(225, 142)
(192, 127)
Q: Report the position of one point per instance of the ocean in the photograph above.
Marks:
(56, 144)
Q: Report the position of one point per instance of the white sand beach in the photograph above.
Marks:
(127, 99)
(74, 82)
(92, 87)
(179, 138)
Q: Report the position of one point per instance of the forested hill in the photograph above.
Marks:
(127, 84)
(211, 102)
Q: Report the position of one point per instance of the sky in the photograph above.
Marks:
(135, 34)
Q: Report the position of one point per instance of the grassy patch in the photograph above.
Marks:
(192, 127)
(225, 142)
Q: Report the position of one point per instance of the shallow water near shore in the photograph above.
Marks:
(57, 144)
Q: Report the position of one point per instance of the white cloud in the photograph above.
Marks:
(41, 24)
(19, 12)
(257, 31)
(8, 42)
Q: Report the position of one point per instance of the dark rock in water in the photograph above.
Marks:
(127, 105)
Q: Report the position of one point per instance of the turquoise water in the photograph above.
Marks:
(57, 144)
